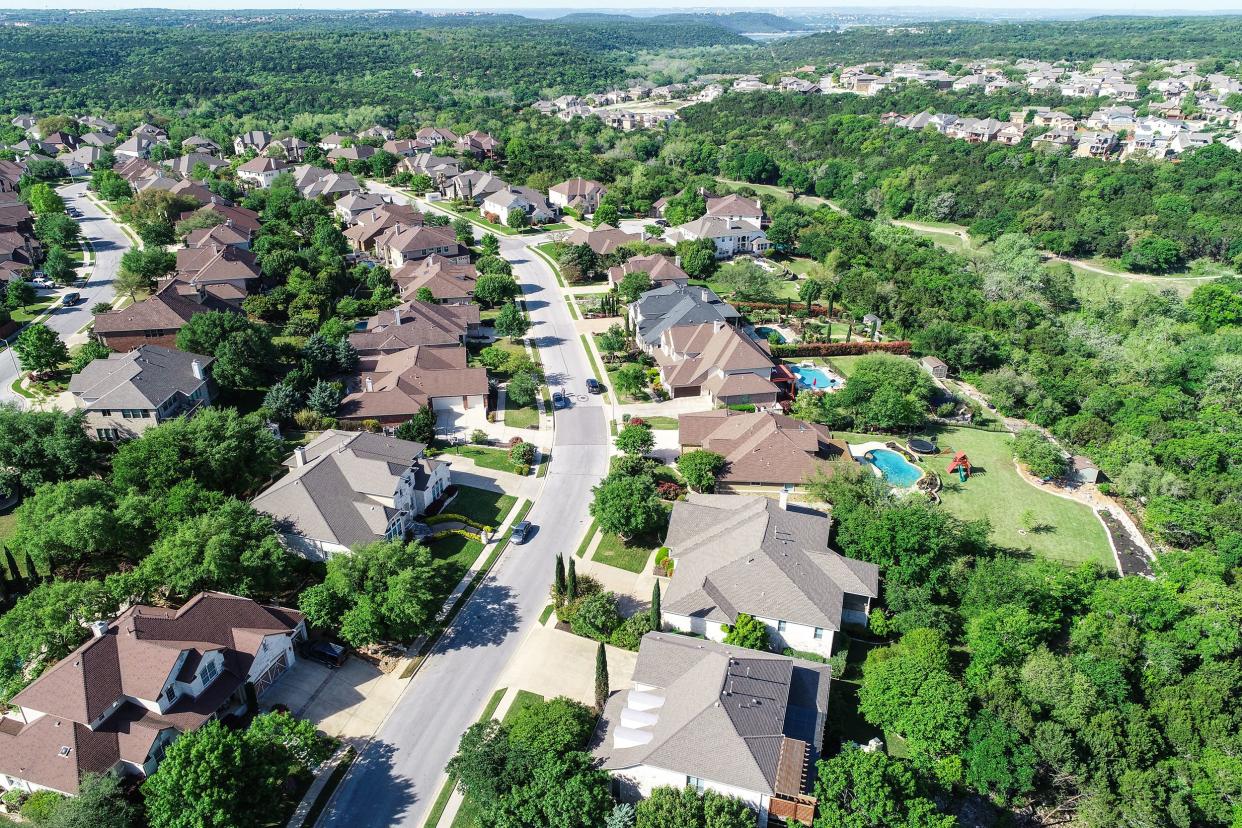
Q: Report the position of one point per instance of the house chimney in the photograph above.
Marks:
(300, 454)
(196, 368)
(785, 498)
(370, 385)
(99, 629)
(396, 316)
(717, 324)
(677, 260)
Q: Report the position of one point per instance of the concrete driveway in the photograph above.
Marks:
(348, 702)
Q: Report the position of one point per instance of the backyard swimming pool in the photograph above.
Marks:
(812, 377)
(897, 470)
(766, 333)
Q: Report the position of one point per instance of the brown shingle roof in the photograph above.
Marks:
(760, 447)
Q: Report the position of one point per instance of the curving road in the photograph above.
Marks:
(398, 773)
(109, 243)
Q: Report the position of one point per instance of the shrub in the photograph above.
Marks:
(522, 453)
(747, 632)
(630, 634)
(308, 420)
(670, 490)
(39, 807)
(479, 436)
(811, 349)
(661, 555)
(596, 616)
(586, 587)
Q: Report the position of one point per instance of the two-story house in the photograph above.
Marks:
(126, 394)
(350, 488)
(118, 701)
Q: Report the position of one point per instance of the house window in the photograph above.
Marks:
(694, 782)
(171, 693)
(108, 434)
(819, 633)
(209, 672)
(780, 626)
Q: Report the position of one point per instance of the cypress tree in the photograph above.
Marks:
(571, 583)
(601, 677)
(655, 606)
(558, 585)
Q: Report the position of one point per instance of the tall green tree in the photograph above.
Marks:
(39, 349)
(601, 677)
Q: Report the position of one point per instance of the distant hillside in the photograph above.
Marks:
(741, 22)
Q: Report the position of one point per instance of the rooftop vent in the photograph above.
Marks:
(64, 751)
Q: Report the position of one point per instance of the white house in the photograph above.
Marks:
(731, 236)
(743, 723)
(525, 200)
(261, 171)
(349, 488)
(737, 554)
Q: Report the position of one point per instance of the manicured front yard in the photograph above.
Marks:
(487, 507)
(661, 423)
(628, 555)
(455, 554)
(31, 311)
(526, 416)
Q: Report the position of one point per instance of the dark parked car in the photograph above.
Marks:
(593, 386)
(325, 652)
(71, 299)
(521, 531)
(559, 400)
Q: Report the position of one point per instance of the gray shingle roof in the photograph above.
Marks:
(739, 554)
(671, 305)
(714, 711)
(146, 377)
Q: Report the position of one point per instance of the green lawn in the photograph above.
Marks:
(8, 525)
(455, 554)
(526, 416)
(586, 540)
(28, 313)
(661, 423)
(485, 456)
(628, 555)
(1068, 530)
(844, 365)
(487, 507)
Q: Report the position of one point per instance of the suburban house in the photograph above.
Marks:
(138, 146)
(335, 141)
(240, 218)
(126, 394)
(672, 305)
(743, 723)
(224, 271)
(662, 270)
(347, 488)
(502, 203)
(261, 171)
(391, 388)
(255, 139)
(416, 323)
(579, 194)
(478, 144)
(473, 186)
(118, 701)
(763, 448)
(370, 225)
(197, 143)
(738, 554)
(406, 147)
(289, 148)
(449, 282)
(720, 362)
(357, 152)
(439, 168)
(603, 240)
(222, 235)
(401, 244)
(731, 236)
(184, 165)
(351, 207)
(156, 319)
(734, 207)
(313, 182)
(436, 135)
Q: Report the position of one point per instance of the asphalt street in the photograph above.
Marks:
(109, 243)
(398, 774)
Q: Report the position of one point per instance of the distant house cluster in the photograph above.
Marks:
(1113, 132)
(608, 106)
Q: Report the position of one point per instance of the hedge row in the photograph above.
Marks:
(446, 517)
(791, 307)
(824, 349)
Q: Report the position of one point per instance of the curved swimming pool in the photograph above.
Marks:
(896, 469)
(814, 378)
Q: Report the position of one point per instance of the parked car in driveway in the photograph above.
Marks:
(325, 652)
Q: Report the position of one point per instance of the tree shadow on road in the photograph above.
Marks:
(486, 621)
(372, 793)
